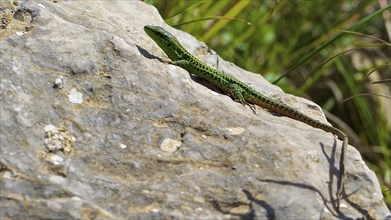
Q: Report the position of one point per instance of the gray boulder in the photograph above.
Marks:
(93, 125)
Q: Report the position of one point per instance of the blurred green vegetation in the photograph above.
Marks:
(336, 53)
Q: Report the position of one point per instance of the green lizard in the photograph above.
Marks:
(239, 91)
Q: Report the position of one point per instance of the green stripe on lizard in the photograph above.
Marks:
(239, 91)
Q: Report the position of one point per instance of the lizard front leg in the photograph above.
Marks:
(182, 63)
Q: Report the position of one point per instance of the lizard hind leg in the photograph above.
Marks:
(237, 95)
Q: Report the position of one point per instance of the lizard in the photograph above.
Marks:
(239, 91)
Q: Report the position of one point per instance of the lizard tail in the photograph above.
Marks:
(285, 110)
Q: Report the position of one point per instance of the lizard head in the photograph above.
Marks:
(166, 41)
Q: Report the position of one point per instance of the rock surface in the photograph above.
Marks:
(93, 125)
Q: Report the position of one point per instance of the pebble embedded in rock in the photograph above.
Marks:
(75, 96)
(170, 145)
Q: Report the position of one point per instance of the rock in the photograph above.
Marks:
(93, 125)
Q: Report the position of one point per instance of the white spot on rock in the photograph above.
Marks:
(75, 97)
(50, 128)
(199, 209)
(123, 146)
(343, 205)
(59, 82)
(235, 131)
(57, 180)
(56, 159)
(170, 145)
(76, 198)
(7, 175)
